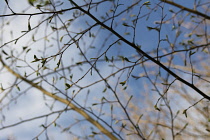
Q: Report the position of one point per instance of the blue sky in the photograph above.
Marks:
(147, 39)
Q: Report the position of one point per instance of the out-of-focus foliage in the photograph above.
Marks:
(105, 69)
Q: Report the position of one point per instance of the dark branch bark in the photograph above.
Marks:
(187, 9)
(142, 52)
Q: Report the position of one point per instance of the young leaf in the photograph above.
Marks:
(156, 108)
(67, 86)
(123, 83)
(29, 26)
(17, 87)
(4, 52)
(31, 2)
(61, 38)
(79, 63)
(185, 113)
(125, 24)
(146, 3)
(106, 59)
(152, 28)
(104, 90)
(126, 59)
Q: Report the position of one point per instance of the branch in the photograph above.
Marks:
(40, 13)
(187, 9)
(142, 52)
(65, 101)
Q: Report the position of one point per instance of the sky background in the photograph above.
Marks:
(32, 103)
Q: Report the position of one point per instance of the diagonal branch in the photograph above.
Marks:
(142, 52)
(64, 101)
(187, 9)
